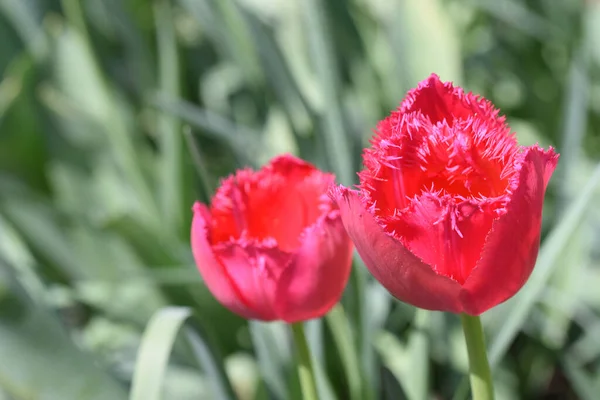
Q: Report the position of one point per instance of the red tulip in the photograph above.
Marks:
(273, 246)
(449, 207)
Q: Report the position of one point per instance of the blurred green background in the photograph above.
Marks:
(115, 115)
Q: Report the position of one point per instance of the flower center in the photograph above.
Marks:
(438, 186)
(464, 161)
(261, 207)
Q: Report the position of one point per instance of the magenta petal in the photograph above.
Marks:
(212, 269)
(315, 279)
(402, 273)
(511, 248)
(255, 270)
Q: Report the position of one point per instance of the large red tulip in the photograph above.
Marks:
(449, 207)
(272, 246)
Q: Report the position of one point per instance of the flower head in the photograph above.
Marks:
(272, 245)
(448, 212)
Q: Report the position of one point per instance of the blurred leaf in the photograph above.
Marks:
(375, 307)
(211, 365)
(575, 124)
(10, 87)
(519, 17)
(80, 80)
(418, 344)
(422, 40)
(592, 16)
(409, 363)
(199, 163)
(26, 17)
(272, 357)
(576, 107)
(429, 41)
(243, 370)
(324, 389)
(344, 340)
(154, 351)
(243, 141)
(37, 223)
(28, 372)
(582, 383)
(395, 358)
(280, 73)
(170, 168)
(224, 23)
(15, 252)
(338, 147)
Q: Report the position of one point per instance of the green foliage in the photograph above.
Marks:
(115, 115)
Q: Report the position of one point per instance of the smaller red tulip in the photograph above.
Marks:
(273, 246)
(449, 210)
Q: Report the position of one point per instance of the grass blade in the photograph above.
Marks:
(342, 335)
(270, 360)
(221, 387)
(26, 17)
(155, 349)
(395, 358)
(338, 146)
(199, 163)
(582, 383)
(79, 76)
(418, 345)
(170, 166)
(425, 41)
(39, 360)
(244, 141)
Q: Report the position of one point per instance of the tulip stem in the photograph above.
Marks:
(305, 369)
(479, 367)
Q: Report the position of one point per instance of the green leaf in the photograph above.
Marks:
(170, 166)
(344, 340)
(79, 78)
(38, 358)
(287, 86)
(516, 15)
(418, 344)
(429, 40)
(583, 384)
(244, 141)
(337, 142)
(394, 356)
(153, 354)
(409, 363)
(272, 356)
(421, 39)
(25, 17)
(215, 371)
(155, 349)
(324, 387)
(223, 21)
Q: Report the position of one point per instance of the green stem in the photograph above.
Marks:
(479, 367)
(305, 369)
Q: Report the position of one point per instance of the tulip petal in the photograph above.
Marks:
(511, 247)
(442, 101)
(446, 236)
(315, 279)
(212, 269)
(402, 273)
(255, 269)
